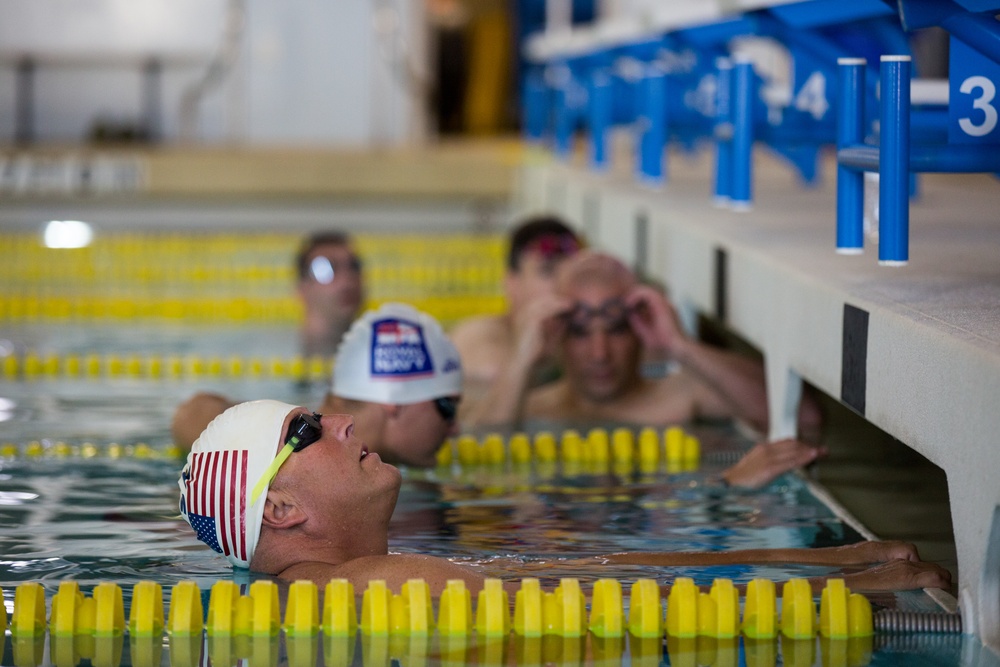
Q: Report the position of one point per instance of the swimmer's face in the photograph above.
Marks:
(333, 283)
(420, 431)
(600, 350)
(337, 476)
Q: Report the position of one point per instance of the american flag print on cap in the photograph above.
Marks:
(226, 461)
(215, 500)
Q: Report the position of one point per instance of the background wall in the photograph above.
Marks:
(302, 72)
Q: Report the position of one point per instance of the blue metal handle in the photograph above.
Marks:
(723, 133)
(742, 103)
(850, 131)
(894, 162)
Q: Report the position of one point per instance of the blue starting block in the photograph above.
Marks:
(970, 131)
(681, 84)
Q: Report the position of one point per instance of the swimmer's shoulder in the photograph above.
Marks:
(674, 388)
(480, 329)
(483, 343)
(550, 401)
(667, 400)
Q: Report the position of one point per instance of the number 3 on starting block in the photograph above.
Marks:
(973, 96)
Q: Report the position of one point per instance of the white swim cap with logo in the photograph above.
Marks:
(396, 355)
(225, 463)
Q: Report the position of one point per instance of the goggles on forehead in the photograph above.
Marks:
(612, 315)
(554, 245)
(304, 430)
(324, 270)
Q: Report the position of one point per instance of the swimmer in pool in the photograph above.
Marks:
(400, 378)
(331, 289)
(396, 372)
(287, 492)
(604, 323)
(537, 247)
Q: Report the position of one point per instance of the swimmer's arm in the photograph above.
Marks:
(503, 402)
(394, 569)
(494, 397)
(476, 342)
(728, 384)
(732, 385)
(895, 575)
(724, 384)
(535, 331)
(862, 553)
(768, 460)
(194, 414)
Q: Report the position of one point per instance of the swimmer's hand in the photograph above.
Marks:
(868, 552)
(860, 554)
(537, 329)
(768, 460)
(899, 575)
(654, 320)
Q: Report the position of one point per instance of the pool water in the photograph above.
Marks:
(110, 514)
(88, 484)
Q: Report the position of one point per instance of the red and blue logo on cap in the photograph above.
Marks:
(398, 350)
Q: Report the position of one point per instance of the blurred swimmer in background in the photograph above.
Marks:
(396, 372)
(487, 343)
(603, 323)
(400, 377)
(331, 287)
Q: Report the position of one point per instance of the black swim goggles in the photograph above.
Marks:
(447, 407)
(612, 316)
(304, 430)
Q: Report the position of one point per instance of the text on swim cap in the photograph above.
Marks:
(398, 350)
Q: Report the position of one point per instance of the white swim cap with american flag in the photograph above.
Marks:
(225, 463)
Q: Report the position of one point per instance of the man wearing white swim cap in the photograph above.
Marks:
(283, 491)
(400, 377)
(395, 371)
(298, 495)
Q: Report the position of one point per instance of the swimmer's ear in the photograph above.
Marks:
(280, 511)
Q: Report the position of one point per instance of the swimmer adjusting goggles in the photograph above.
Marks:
(304, 430)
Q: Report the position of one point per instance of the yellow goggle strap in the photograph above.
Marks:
(270, 472)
